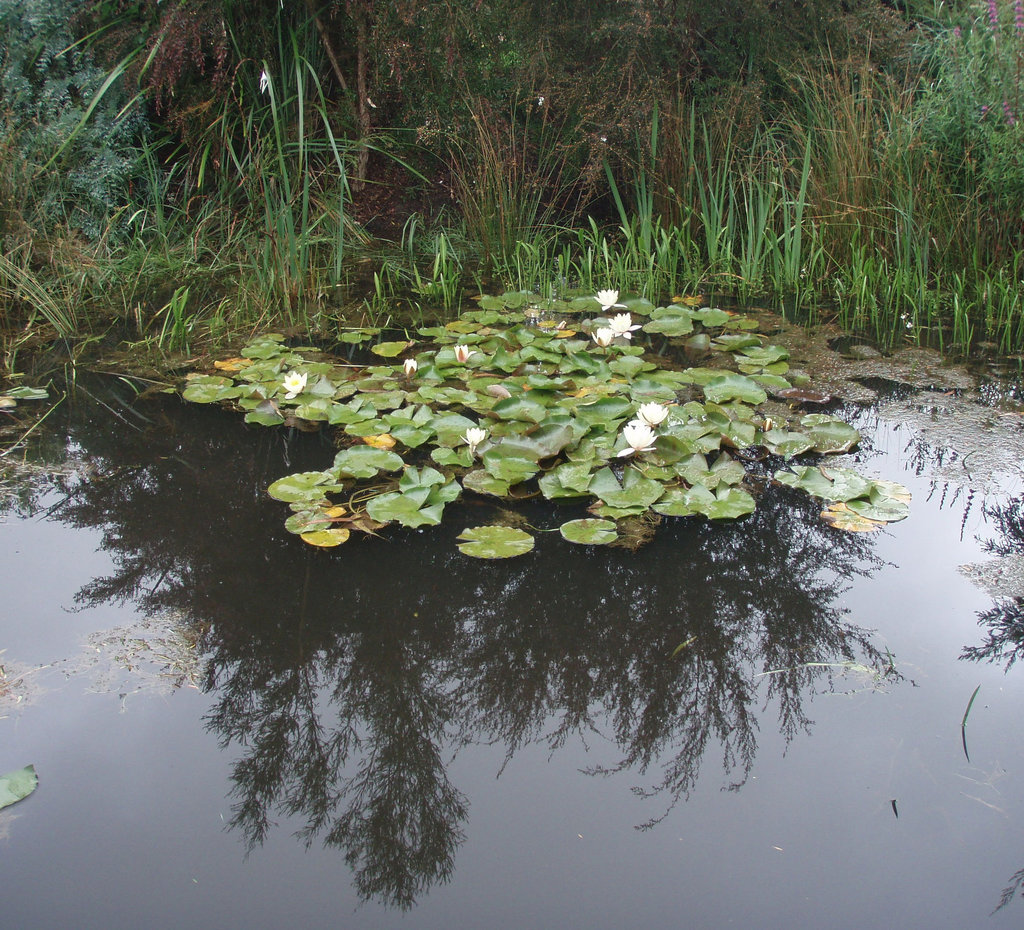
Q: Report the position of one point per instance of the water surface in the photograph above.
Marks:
(234, 728)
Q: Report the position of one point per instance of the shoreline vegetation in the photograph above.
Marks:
(182, 175)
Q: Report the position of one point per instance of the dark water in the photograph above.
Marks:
(511, 744)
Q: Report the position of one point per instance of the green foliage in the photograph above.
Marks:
(971, 116)
(495, 402)
(76, 132)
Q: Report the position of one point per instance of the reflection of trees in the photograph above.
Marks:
(1003, 623)
(346, 678)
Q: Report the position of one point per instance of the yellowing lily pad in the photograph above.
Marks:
(494, 542)
(326, 539)
(232, 364)
(842, 518)
(380, 441)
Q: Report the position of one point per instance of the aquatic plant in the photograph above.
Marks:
(506, 404)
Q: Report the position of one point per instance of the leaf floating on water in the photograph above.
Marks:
(381, 441)
(589, 532)
(15, 786)
(391, 349)
(326, 539)
(494, 542)
(842, 518)
(232, 364)
(303, 486)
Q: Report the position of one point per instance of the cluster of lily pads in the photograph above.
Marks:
(514, 400)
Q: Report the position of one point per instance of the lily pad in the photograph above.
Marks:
(365, 462)
(787, 443)
(589, 532)
(209, 389)
(840, 516)
(495, 542)
(15, 786)
(265, 413)
(326, 539)
(830, 434)
(734, 387)
(303, 486)
(391, 349)
(482, 482)
(636, 491)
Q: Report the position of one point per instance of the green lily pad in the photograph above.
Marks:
(265, 414)
(494, 542)
(460, 456)
(882, 510)
(571, 479)
(829, 434)
(727, 503)
(521, 407)
(734, 342)
(391, 349)
(501, 462)
(787, 443)
(17, 785)
(734, 387)
(834, 484)
(670, 321)
(306, 486)
(210, 389)
(365, 462)
(589, 532)
(712, 316)
(482, 482)
(636, 491)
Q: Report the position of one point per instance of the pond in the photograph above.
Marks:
(756, 722)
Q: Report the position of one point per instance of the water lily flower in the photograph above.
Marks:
(473, 437)
(608, 299)
(640, 437)
(622, 325)
(410, 365)
(462, 354)
(264, 81)
(603, 337)
(652, 414)
(294, 384)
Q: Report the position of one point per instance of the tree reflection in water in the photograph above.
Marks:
(346, 678)
(1003, 623)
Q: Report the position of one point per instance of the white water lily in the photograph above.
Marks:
(641, 438)
(462, 354)
(473, 437)
(409, 366)
(652, 414)
(294, 384)
(622, 325)
(264, 81)
(603, 337)
(608, 299)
